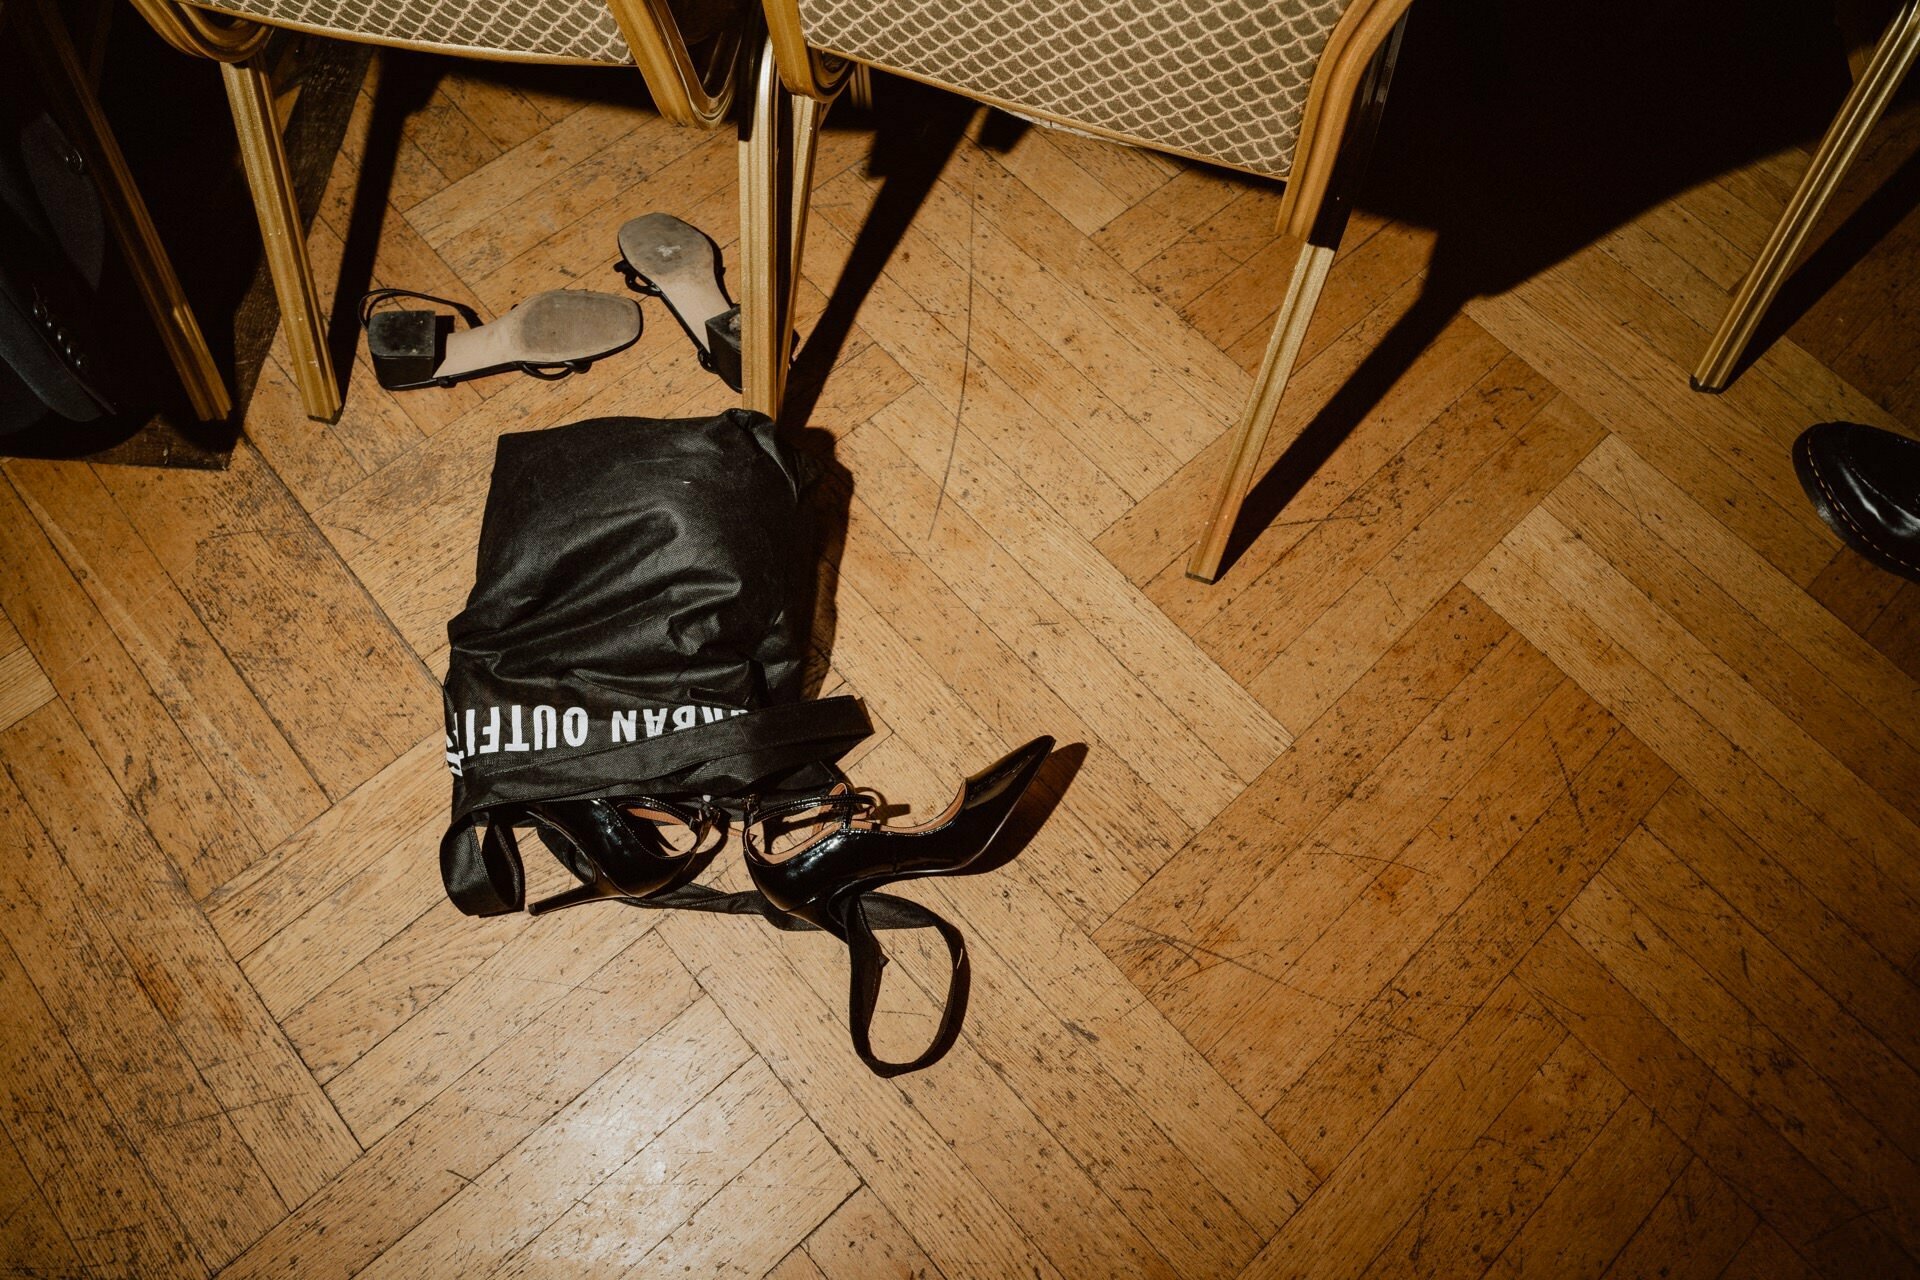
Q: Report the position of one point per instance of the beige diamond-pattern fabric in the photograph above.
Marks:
(584, 30)
(1224, 80)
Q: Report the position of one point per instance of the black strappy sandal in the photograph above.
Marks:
(616, 848)
(550, 335)
(829, 880)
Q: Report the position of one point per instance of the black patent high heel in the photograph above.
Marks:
(618, 848)
(826, 880)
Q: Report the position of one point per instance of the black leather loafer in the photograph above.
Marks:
(1865, 483)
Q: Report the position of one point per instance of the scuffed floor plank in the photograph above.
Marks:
(1511, 867)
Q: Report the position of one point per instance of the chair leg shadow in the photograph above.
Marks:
(911, 146)
(1357, 397)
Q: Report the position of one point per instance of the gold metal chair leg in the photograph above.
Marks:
(69, 93)
(860, 87)
(808, 115)
(1891, 61)
(1250, 438)
(777, 145)
(1327, 220)
(250, 94)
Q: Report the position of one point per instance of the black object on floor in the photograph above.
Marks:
(629, 670)
(170, 115)
(638, 627)
(1865, 483)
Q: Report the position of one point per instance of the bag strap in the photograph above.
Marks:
(867, 961)
(482, 874)
(866, 914)
(773, 740)
(756, 745)
(499, 887)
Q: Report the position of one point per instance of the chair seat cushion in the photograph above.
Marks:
(564, 30)
(1223, 80)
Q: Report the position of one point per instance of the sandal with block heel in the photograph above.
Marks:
(676, 262)
(837, 855)
(550, 335)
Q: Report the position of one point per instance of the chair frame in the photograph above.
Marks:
(1343, 110)
(1893, 57)
(685, 92)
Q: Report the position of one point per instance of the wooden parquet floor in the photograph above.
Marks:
(1510, 868)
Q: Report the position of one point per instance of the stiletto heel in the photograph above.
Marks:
(827, 879)
(617, 848)
(600, 887)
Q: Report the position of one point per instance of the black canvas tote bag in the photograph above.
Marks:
(638, 623)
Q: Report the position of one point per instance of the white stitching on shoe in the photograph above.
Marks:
(1813, 465)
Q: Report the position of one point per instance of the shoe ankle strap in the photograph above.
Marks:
(838, 803)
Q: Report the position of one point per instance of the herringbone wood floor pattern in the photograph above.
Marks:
(1511, 868)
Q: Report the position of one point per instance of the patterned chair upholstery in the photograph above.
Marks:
(1218, 80)
(556, 30)
(1265, 86)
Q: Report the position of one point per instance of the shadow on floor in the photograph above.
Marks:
(1519, 132)
(1522, 133)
